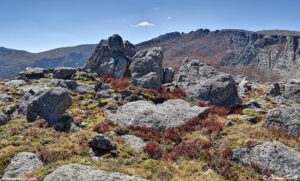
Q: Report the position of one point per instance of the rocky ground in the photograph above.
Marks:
(125, 117)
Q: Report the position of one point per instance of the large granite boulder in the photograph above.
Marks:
(292, 91)
(111, 57)
(279, 159)
(146, 68)
(77, 172)
(33, 73)
(49, 104)
(171, 113)
(64, 72)
(205, 83)
(286, 119)
(23, 163)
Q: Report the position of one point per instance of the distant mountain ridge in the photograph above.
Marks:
(262, 55)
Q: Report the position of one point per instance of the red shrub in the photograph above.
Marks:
(212, 126)
(220, 111)
(192, 125)
(116, 84)
(103, 127)
(227, 153)
(153, 149)
(173, 135)
(107, 80)
(202, 104)
(178, 93)
(266, 172)
(188, 150)
(145, 133)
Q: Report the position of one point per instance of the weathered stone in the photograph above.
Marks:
(77, 172)
(171, 113)
(68, 84)
(15, 83)
(49, 105)
(5, 98)
(101, 145)
(146, 68)
(135, 142)
(110, 57)
(103, 94)
(3, 118)
(84, 88)
(274, 90)
(23, 163)
(63, 72)
(286, 119)
(33, 73)
(203, 82)
(279, 159)
(169, 74)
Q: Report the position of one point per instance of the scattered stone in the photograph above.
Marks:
(33, 73)
(3, 118)
(171, 113)
(16, 83)
(286, 119)
(11, 109)
(63, 72)
(292, 91)
(205, 83)
(169, 74)
(135, 142)
(77, 172)
(132, 98)
(110, 57)
(102, 145)
(101, 86)
(274, 90)
(49, 105)
(146, 68)
(85, 88)
(68, 84)
(103, 94)
(279, 159)
(5, 98)
(23, 163)
(243, 87)
(252, 104)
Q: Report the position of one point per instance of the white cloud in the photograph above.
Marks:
(156, 8)
(145, 24)
(169, 17)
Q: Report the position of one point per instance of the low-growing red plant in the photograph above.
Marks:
(178, 92)
(192, 124)
(213, 126)
(220, 111)
(188, 150)
(103, 127)
(227, 153)
(147, 134)
(165, 93)
(201, 104)
(116, 84)
(173, 135)
(153, 150)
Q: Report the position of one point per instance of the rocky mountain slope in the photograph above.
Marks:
(264, 55)
(124, 116)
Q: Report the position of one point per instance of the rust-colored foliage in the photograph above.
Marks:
(220, 111)
(179, 93)
(197, 123)
(116, 84)
(50, 156)
(202, 104)
(103, 127)
(147, 134)
(176, 93)
(188, 150)
(227, 153)
(173, 135)
(153, 149)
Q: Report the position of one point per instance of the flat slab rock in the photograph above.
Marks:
(286, 119)
(171, 113)
(279, 159)
(22, 164)
(77, 172)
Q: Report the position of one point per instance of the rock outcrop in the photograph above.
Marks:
(49, 105)
(205, 83)
(279, 159)
(101, 145)
(77, 172)
(33, 73)
(64, 72)
(171, 113)
(286, 119)
(135, 142)
(111, 57)
(146, 68)
(23, 163)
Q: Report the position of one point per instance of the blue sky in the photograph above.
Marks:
(38, 25)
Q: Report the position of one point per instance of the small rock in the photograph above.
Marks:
(103, 94)
(101, 145)
(63, 72)
(23, 163)
(169, 74)
(135, 142)
(84, 88)
(3, 118)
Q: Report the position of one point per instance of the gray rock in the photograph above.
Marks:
(101, 145)
(33, 73)
(3, 118)
(68, 84)
(252, 104)
(110, 57)
(274, 90)
(169, 74)
(23, 163)
(84, 88)
(5, 98)
(171, 113)
(77, 172)
(135, 142)
(286, 119)
(101, 86)
(203, 82)
(279, 159)
(132, 98)
(49, 105)
(63, 72)
(292, 91)
(15, 83)
(103, 94)
(146, 68)
(11, 109)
